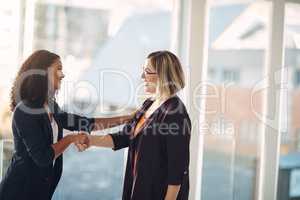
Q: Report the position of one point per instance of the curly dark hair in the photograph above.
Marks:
(31, 82)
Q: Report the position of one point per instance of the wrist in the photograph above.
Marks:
(90, 139)
(71, 138)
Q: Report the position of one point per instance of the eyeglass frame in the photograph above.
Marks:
(145, 72)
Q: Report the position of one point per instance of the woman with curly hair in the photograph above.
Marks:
(38, 124)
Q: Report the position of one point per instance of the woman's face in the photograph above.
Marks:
(149, 77)
(56, 74)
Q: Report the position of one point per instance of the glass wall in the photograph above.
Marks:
(289, 165)
(10, 16)
(102, 45)
(238, 38)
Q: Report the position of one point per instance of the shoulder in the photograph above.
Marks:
(175, 105)
(25, 110)
(175, 110)
(21, 108)
(176, 116)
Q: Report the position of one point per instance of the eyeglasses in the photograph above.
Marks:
(146, 71)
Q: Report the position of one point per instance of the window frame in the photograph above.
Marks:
(193, 50)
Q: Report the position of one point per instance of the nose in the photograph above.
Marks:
(62, 76)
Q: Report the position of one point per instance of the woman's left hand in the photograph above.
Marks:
(82, 141)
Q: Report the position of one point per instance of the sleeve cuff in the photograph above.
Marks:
(174, 181)
(177, 179)
(115, 141)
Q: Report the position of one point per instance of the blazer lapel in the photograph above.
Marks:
(158, 114)
(138, 116)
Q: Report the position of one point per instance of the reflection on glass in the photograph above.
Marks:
(238, 36)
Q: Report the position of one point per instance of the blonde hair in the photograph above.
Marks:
(169, 71)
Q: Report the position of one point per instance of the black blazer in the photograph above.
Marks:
(163, 147)
(31, 174)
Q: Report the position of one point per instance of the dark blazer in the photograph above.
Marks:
(163, 147)
(31, 174)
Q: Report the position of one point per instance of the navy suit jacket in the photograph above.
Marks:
(31, 174)
(163, 152)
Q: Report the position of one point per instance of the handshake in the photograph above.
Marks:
(81, 141)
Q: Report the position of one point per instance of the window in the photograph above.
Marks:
(231, 159)
(297, 78)
(231, 75)
(289, 149)
(10, 15)
(6, 149)
(102, 45)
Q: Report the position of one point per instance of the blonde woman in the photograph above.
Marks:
(158, 137)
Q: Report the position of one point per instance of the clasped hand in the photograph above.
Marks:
(82, 141)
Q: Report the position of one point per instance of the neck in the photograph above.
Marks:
(162, 98)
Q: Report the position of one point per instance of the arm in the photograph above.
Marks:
(33, 136)
(75, 122)
(70, 121)
(104, 123)
(172, 192)
(115, 141)
(64, 143)
(101, 141)
(177, 137)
